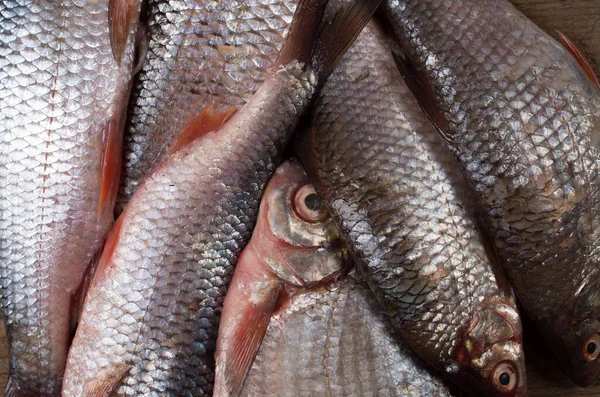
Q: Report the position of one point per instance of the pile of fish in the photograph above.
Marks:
(309, 201)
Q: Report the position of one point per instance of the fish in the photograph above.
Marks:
(63, 101)
(187, 41)
(151, 316)
(522, 116)
(295, 322)
(400, 201)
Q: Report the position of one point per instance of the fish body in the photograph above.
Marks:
(188, 41)
(62, 106)
(324, 333)
(523, 119)
(151, 316)
(336, 341)
(400, 200)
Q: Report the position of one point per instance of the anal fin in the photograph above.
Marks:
(110, 162)
(579, 57)
(209, 119)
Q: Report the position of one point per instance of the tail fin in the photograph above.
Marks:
(321, 43)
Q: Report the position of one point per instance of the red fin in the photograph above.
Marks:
(247, 309)
(209, 119)
(77, 299)
(424, 93)
(579, 57)
(110, 162)
(311, 39)
(122, 15)
(109, 249)
(106, 382)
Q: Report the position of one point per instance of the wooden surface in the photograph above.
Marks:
(580, 21)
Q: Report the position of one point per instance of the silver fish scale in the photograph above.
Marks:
(152, 315)
(59, 88)
(525, 122)
(334, 341)
(189, 41)
(398, 193)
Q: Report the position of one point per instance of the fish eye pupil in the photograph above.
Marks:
(504, 378)
(591, 348)
(312, 202)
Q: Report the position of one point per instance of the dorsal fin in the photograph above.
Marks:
(209, 119)
(320, 42)
(106, 382)
(424, 92)
(579, 57)
(122, 15)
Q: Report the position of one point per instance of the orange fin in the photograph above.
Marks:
(209, 119)
(579, 57)
(109, 249)
(424, 93)
(106, 382)
(110, 162)
(122, 15)
(247, 310)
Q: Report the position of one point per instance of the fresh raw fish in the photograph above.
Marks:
(189, 40)
(150, 319)
(63, 96)
(522, 116)
(326, 336)
(404, 209)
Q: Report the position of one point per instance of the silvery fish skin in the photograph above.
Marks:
(326, 335)
(399, 198)
(151, 316)
(524, 121)
(335, 341)
(62, 93)
(188, 41)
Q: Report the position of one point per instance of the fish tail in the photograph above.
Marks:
(320, 42)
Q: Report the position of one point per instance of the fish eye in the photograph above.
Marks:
(504, 377)
(591, 347)
(309, 205)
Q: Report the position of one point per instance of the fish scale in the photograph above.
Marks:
(60, 88)
(523, 119)
(189, 41)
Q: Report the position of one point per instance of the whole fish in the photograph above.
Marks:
(65, 72)
(326, 336)
(188, 41)
(150, 319)
(401, 203)
(523, 119)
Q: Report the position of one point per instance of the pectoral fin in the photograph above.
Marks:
(579, 57)
(106, 382)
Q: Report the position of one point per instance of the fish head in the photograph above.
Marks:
(575, 336)
(491, 353)
(296, 233)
